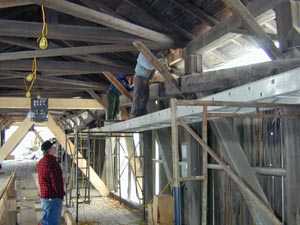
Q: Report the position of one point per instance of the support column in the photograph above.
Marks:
(192, 189)
(148, 166)
(177, 193)
(192, 63)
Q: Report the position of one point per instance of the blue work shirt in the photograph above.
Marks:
(143, 68)
(122, 79)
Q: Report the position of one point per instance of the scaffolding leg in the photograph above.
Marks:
(175, 158)
(178, 204)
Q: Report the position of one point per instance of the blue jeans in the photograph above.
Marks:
(51, 211)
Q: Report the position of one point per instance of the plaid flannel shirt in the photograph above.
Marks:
(50, 178)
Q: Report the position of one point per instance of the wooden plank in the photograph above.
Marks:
(68, 51)
(14, 28)
(118, 85)
(15, 3)
(107, 20)
(15, 139)
(263, 39)
(157, 65)
(54, 103)
(8, 213)
(95, 180)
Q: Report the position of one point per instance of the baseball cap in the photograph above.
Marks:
(48, 144)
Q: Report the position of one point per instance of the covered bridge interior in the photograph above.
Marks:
(219, 144)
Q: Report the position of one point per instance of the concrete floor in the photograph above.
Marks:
(103, 211)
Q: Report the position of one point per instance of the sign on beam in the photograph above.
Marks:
(53, 103)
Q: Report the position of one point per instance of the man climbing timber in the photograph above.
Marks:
(143, 73)
(113, 96)
(50, 185)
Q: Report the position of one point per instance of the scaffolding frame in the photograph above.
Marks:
(98, 135)
(252, 109)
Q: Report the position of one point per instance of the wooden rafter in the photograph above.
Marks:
(106, 20)
(15, 28)
(264, 40)
(57, 68)
(204, 42)
(68, 51)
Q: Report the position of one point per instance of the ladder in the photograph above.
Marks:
(79, 175)
(83, 151)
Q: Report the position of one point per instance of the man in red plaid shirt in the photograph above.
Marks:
(50, 184)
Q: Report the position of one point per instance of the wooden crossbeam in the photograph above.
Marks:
(107, 20)
(15, 139)
(15, 3)
(53, 103)
(68, 51)
(95, 180)
(117, 84)
(157, 65)
(263, 39)
(62, 81)
(14, 28)
(58, 68)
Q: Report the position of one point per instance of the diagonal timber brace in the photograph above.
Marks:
(238, 160)
(60, 135)
(15, 139)
(244, 187)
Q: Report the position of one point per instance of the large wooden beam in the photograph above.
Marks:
(216, 81)
(68, 51)
(263, 39)
(117, 84)
(204, 42)
(79, 83)
(157, 65)
(106, 20)
(14, 28)
(95, 180)
(15, 139)
(60, 68)
(15, 3)
(53, 103)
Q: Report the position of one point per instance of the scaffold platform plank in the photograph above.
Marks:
(281, 88)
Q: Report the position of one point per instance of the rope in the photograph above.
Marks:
(42, 40)
(31, 78)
